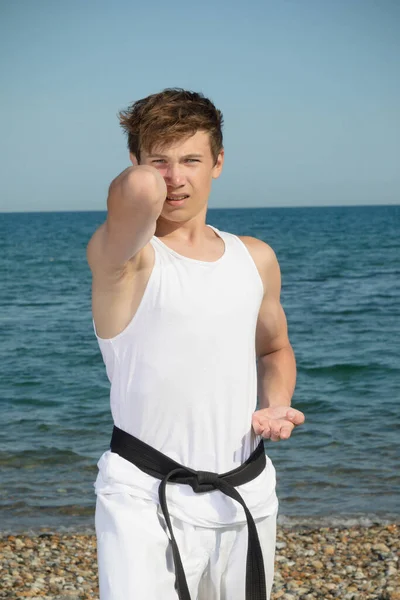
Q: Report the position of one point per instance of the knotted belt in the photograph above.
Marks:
(158, 465)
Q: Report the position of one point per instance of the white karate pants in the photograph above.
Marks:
(135, 557)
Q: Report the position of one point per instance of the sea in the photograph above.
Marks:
(340, 291)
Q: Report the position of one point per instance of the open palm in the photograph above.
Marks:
(276, 422)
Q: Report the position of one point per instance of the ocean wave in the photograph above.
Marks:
(337, 521)
(27, 459)
(346, 368)
(286, 522)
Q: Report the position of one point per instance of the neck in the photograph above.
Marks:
(187, 231)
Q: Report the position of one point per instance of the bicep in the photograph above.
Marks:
(271, 332)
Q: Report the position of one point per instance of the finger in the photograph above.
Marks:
(286, 432)
(260, 423)
(261, 427)
(266, 433)
(295, 416)
(275, 432)
(258, 428)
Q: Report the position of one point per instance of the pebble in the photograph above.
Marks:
(280, 545)
(357, 563)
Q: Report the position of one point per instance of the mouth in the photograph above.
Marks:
(176, 199)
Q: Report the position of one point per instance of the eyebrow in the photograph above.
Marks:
(165, 156)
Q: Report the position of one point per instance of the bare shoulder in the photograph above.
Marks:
(262, 254)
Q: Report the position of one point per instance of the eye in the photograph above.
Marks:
(191, 160)
(158, 161)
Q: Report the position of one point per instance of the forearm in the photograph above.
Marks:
(135, 201)
(276, 378)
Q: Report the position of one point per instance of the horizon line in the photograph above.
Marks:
(288, 206)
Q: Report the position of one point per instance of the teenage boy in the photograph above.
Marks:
(190, 325)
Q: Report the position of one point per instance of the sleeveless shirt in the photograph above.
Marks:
(184, 380)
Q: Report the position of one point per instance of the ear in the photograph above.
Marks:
(219, 164)
(133, 158)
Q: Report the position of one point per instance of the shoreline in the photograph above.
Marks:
(286, 522)
(323, 563)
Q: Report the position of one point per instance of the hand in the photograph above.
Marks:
(140, 180)
(159, 178)
(276, 422)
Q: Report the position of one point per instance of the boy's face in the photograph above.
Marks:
(188, 170)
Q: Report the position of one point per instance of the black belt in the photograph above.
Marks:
(162, 467)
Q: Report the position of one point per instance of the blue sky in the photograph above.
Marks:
(309, 89)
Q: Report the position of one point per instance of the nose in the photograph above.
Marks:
(174, 175)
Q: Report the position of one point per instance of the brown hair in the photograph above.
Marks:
(169, 116)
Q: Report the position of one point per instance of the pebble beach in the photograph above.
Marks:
(355, 563)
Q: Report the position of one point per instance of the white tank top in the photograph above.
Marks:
(183, 379)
